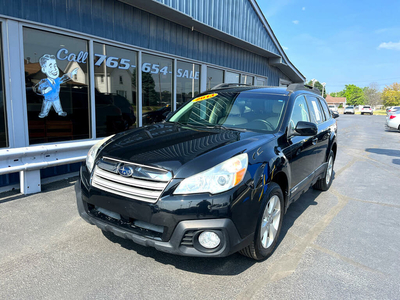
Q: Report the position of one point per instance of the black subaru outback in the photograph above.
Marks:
(217, 176)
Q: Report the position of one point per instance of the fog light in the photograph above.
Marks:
(209, 239)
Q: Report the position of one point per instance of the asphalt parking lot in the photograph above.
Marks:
(340, 244)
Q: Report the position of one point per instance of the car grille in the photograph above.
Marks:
(144, 184)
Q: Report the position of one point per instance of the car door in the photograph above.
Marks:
(322, 139)
(300, 149)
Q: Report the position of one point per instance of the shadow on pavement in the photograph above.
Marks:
(231, 265)
(49, 187)
(387, 152)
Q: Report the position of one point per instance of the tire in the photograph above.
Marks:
(325, 183)
(362, 113)
(269, 223)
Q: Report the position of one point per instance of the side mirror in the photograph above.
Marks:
(306, 128)
(335, 114)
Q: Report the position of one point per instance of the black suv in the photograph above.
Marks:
(217, 176)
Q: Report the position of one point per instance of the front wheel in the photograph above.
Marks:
(268, 226)
(324, 183)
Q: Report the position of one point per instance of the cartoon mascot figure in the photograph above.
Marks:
(49, 87)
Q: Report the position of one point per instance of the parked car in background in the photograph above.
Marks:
(393, 120)
(392, 109)
(217, 176)
(367, 109)
(349, 110)
(333, 107)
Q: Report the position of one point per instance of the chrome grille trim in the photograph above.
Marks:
(152, 185)
(141, 189)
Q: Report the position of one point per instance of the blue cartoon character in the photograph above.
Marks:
(49, 87)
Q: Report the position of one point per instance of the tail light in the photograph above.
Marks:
(392, 117)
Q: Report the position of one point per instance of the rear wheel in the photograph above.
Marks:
(324, 183)
(268, 226)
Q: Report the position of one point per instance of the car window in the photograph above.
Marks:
(325, 108)
(251, 110)
(317, 115)
(299, 113)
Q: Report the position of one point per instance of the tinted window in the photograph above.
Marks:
(187, 82)
(156, 88)
(317, 115)
(248, 110)
(214, 77)
(115, 94)
(299, 113)
(325, 108)
(57, 86)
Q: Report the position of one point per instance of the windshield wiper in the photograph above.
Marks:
(228, 128)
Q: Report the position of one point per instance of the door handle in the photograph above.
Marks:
(314, 141)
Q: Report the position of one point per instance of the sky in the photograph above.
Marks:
(339, 42)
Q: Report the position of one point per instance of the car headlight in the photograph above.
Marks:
(91, 156)
(220, 178)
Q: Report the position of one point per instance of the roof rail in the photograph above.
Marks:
(302, 87)
(227, 85)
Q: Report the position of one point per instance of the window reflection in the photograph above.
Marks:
(214, 77)
(3, 127)
(115, 89)
(187, 82)
(156, 88)
(261, 81)
(231, 77)
(246, 79)
(57, 86)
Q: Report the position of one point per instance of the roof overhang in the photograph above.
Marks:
(178, 17)
(287, 69)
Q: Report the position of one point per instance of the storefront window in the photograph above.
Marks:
(261, 81)
(3, 127)
(156, 88)
(214, 77)
(231, 77)
(246, 79)
(57, 86)
(115, 89)
(187, 82)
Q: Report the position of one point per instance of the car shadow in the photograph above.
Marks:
(226, 266)
(223, 266)
(387, 152)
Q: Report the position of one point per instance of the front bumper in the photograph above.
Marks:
(231, 241)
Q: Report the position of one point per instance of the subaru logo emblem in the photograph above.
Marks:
(125, 171)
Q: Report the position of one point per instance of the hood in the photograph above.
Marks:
(171, 146)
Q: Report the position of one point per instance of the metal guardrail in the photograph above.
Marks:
(34, 158)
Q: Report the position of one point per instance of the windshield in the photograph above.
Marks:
(245, 110)
(350, 107)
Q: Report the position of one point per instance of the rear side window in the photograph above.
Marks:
(325, 108)
(299, 113)
(315, 110)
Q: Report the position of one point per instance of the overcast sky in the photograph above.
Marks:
(339, 42)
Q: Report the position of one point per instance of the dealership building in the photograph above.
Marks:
(72, 72)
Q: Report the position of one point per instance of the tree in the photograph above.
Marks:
(372, 94)
(318, 85)
(391, 95)
(354, 95)
(338, 94)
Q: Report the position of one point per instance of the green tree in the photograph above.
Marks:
(354, 95)
(338, 94)
(391, 95)
(319, 86)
